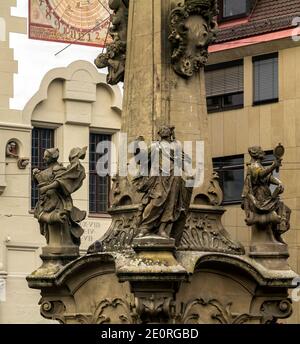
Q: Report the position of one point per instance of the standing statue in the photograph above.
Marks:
(58, 217)
(165, 195)
(263, 208)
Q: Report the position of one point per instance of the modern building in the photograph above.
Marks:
(253, 98)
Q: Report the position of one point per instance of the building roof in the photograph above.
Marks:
(267, 16)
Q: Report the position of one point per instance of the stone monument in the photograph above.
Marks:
(166, 257)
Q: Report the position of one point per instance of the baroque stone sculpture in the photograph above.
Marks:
(115, 56)
(57, 216)
(265, 212)
(12, 151)
(160, 262)
(193, 29)
(165, 195)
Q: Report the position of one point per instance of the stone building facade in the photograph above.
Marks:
(266, 35)
(74, 104)
(75, 101)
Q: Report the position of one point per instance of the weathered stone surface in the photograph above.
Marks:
(57, 216)
(267, 215)
(196, 275)
(115, 56)
(221, 288)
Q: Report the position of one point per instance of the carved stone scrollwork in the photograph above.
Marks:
(113, 311)
(276, 309)
(204, 231)
(121, 233)
(155, 309)
(214, 192)
(124, 232)
(108, 311)
(192, 29)
(53, 310)
(199, 311)
(115, 56)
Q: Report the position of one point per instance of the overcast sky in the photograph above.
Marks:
(36, 58)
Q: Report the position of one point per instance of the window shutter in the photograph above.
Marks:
(266, 79)
(223, 81)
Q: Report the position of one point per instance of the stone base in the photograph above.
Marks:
(153, 243)
(53, 263)
(271, 255)
(128, 288)
(55, 251)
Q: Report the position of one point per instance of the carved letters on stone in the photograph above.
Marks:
(192, 29)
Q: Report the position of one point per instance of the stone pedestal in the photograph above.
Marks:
(266, 249)
(155, 277)
(144, 287)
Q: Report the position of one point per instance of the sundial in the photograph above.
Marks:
(71, 21)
